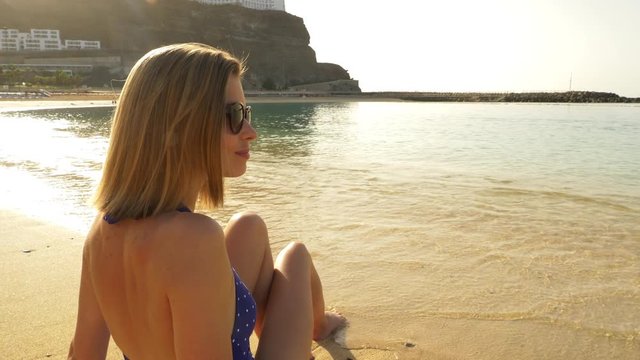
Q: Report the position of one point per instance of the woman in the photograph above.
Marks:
(167, 283)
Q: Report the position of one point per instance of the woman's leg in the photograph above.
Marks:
(288, 324)
(295, 309)
(247, 242)
(289, 296)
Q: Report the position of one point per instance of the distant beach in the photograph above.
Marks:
(100, 100)
(38, 99)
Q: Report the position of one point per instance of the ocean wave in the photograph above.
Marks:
(582, 199)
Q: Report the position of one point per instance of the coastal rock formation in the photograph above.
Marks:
(275, 43)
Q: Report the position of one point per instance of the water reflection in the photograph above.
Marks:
(284, 130)
(290, 130)
(83, 122)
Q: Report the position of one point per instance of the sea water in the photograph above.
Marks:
(461, 225)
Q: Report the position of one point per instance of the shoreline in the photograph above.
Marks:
(83, 101)
(11, 105)
(106, 98)
(110, 98)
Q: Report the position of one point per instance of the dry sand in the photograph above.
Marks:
(40, 276)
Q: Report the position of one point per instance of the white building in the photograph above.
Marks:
(252, 4)
(81, 44)
(45, 34)
(40, 40)
(9, 40)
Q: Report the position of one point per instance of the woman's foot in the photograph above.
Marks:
(332, 322)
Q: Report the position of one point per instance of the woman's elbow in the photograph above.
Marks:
(71, 355)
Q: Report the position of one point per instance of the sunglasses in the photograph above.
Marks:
(236, 115)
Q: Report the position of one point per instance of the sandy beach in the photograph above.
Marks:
(40, 276)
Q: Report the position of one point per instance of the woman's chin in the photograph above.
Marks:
(235, 172)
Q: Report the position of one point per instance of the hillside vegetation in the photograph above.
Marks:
(275, 43)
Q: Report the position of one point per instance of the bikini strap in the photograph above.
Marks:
(112, 220)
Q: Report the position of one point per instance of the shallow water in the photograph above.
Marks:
(482, 217)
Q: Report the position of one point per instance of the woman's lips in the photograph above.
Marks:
(244, 154)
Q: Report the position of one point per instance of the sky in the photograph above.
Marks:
(479, 45)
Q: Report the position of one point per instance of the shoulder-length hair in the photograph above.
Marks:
(166, 132)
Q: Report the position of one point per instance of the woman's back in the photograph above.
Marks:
(132, 265)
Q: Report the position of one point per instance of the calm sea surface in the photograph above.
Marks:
(414, 211)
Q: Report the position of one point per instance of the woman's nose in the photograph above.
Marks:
(248, 132)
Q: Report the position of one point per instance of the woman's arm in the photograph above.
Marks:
(91, 338)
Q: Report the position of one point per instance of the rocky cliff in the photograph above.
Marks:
(276, 44)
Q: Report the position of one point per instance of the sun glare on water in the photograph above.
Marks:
(31, 144)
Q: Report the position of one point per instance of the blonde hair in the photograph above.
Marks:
(166, 132)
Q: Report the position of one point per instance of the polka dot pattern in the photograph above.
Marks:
(245, 321)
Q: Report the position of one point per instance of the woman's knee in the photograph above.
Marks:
(294, 255)
(247, 223)
(247, 219)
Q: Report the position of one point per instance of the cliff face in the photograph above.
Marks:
(275, 43)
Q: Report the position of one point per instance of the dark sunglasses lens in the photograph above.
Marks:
(236, 120)
(236, 114)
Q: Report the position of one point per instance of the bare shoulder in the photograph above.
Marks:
(188, 232)
(169, 246)
(189, 243)
(192, 227)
